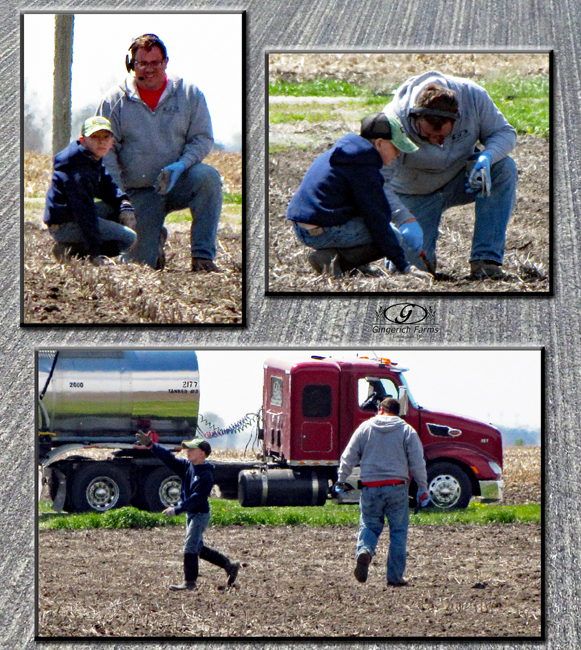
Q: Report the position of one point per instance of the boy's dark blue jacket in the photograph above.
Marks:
(197, 480)
(343, 183)
(78, 179)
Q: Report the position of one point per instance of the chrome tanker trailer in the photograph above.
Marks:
(98, 399)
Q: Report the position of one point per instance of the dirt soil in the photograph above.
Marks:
(527, 258)
(77, 292)
(466, 581)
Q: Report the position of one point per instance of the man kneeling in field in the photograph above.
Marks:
(197, 481)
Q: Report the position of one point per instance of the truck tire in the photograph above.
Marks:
(448, 486)
(99, 487)
(161, 490)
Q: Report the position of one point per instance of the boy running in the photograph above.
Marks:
(197, 481)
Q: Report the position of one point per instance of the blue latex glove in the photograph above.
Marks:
(423, 499)
(479, 179)
(176, 170)
(413, 236)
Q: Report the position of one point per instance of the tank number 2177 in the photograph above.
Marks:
(190, 384)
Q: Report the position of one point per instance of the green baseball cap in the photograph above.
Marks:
(380, 125)
(198, 443)
(94, 124)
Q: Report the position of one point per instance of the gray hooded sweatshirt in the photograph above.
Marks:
(146, 141)
(432, 166)
(386, 447)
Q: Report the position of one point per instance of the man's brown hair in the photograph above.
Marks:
(146, 41)
(438, 98)
(391, 405)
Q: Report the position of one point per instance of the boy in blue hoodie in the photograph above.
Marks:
(79, 224)
(197, 481)
(341, 209)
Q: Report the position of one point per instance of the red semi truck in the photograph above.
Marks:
(312, 407)
(100, 398)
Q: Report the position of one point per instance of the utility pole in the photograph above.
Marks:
(63, 62)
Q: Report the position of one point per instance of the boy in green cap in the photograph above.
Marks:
(341, 210)
(79, 224)
(197, 481)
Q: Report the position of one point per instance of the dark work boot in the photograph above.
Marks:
(352, 258)
(160, 263)
(231, 568)
(190, 573)
(320, 260)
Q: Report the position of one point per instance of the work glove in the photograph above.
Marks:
(168, 176)
(341, 488)
(143, 440)
(479, 179)
(413, 236)
(170, 512)
(127, 215)
(423, 499)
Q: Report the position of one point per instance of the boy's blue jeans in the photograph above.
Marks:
(492, 212)
(196, 524)
(199, 188)
(375, 505)
(111, 233)
(352, 233)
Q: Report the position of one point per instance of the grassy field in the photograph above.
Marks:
(523, 101)
(231, 513)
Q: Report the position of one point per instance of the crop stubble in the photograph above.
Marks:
(132, 294)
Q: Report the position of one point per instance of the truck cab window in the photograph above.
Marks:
(372, 390)
(317, 401)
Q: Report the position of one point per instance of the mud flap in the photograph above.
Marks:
(61, 494)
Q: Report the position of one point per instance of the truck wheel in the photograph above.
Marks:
(161, 490)
(99, 487)
(448, 486)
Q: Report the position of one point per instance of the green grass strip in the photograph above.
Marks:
(524, 101)
(316, 88)
(231, 513)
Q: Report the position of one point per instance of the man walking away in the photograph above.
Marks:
(387, 449)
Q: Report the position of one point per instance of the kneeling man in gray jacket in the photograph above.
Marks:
(387, 449)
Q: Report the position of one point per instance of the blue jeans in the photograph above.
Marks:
(196, 524)
(375, 504)
(492, 212)
(199, 188)
(352, 233)
(113, 237)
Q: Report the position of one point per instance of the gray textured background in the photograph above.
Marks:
(554, 323)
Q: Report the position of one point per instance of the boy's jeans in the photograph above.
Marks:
(352, 233)
(492, 212)
(199, 188)
(112, 234)
(196, 524)
(375, 504)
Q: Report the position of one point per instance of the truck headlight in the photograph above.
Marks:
(495, 467)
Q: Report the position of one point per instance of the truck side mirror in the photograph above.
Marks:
(403, 400)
